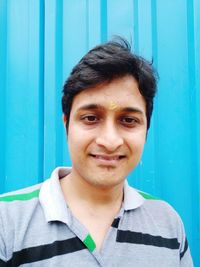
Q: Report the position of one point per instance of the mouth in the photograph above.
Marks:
(107, 159)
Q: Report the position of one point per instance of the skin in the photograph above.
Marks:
(105, 145)
(113, 105)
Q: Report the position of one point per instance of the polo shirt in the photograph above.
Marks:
(38, 229)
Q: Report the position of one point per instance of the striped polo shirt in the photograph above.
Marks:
(38, 229)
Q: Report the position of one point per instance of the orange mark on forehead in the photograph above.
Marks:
(113, 105)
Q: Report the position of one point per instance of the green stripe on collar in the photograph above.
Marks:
(89, 242)
(20, 197)
(147, 196)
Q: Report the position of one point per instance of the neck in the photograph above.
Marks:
(76, 189)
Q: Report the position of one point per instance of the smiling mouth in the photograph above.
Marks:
(107, 157)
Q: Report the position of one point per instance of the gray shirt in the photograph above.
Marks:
(38, 229)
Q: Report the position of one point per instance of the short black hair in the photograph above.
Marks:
(105, 63)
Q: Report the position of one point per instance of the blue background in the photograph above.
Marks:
(40, 41)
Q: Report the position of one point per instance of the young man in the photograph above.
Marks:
(88, 215)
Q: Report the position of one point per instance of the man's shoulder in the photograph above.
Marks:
(15, 205)
(21, 195)
(159, 210)
(155, 203)
(150, 207)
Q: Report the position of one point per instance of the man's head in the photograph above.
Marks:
(107, 106)
(105, 63)
(106, 132)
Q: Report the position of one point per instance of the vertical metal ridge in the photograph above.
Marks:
(135, 26)
(196, 9)
(155, 135)
(41, 90)
(3, 85)
(104, 22)
(154, 32)
(194, 169)
(58, 79)
(192, 84)
(87, 25)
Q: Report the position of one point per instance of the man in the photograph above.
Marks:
(88, 215)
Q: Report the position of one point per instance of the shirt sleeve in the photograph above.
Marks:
(185, 255)
(2, 244)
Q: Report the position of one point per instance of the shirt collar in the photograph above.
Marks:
(132, 199)
(54, 205)
(52, 199)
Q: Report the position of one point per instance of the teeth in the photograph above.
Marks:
(107, 158)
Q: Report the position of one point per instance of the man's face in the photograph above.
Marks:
(107, 131)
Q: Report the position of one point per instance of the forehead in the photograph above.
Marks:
(119, 93)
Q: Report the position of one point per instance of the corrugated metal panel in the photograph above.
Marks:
(42, 40)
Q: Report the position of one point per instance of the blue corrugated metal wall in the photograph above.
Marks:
(41, 40)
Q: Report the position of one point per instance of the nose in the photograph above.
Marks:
(109, 137)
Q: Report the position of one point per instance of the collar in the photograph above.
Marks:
(54, 205)
(52, 199)
(132, 199)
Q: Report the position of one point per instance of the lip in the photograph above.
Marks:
(107, 160)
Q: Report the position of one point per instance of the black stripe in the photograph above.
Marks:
(2, 263)
(47, 251)
(185, 249)
(146, 239)
(115, 223)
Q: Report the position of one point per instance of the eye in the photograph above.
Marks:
(90, 119)
(129, 121)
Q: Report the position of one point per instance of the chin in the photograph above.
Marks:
(106, 183)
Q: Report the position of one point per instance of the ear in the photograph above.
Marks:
(64, 120)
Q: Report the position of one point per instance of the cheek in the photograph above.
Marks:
(74, 142)
(77, 141)
(141, 143)
(136, 143)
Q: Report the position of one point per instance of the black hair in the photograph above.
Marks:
(105, 63)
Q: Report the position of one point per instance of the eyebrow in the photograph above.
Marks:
(100, 107)
(91, 106)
